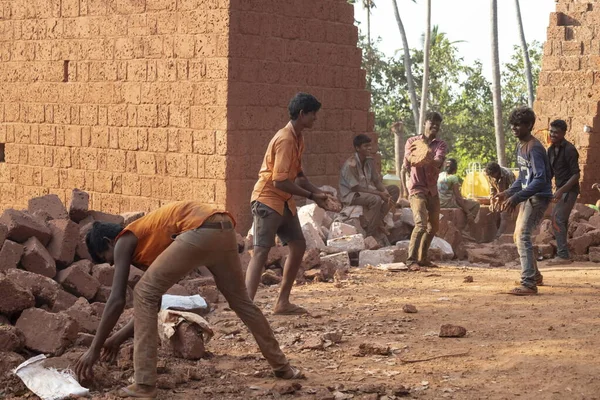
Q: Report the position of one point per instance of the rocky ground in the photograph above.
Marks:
(541, 347)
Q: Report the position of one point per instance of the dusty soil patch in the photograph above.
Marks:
(542, 347)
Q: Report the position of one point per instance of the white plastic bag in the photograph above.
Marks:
(182, 302)
(48, 383)
(445, 247)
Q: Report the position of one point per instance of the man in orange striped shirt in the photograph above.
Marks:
(273, 207)
(169, 243)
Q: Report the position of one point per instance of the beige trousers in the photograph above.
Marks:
(217, 250)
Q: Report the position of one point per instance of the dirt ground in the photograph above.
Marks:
(542, 347)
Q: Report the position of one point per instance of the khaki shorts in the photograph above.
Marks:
(268, 223)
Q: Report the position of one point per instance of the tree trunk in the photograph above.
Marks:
(526, 59)
(369, 48)
(496, 92)
(408, 68)
(399, 137)
(426, 51)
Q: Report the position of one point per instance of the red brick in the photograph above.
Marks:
(11, 338)
(15, 298)
(82, 250)
(10, 255)
(130, 217)
(63, 301)
(44, 289)
(178, 290)
(59, 331)
(37, 259)
(80, 202)
(62, 246)
(77, 280)
(22, 226)
(105, 217)
(104, 293)
(83, 313)
(104, 273)
(187, 342)
(9, 361)
(135, 274)
(49, 204)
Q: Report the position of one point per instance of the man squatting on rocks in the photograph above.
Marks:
(273, 207)
(532, 191)
(360, 184)
(499, 179)
(169, 243)
(422, 186)
(564, 164)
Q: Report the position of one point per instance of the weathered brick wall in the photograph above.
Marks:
(569, 86)
(278, 48)
(142, 102)
(141, 116)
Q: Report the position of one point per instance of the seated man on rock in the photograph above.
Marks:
(499, 179)
(450, 196)
(360, 184)
(169, 243)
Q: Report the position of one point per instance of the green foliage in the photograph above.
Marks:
(458, 90)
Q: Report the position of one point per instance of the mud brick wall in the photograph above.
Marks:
(276, 51)
(143, 102)
(569, 86)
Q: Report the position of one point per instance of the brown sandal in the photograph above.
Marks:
(523, 291)
(296, 374)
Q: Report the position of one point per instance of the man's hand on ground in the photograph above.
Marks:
(84, 367)
(110, 351)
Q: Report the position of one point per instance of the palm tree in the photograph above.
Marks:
(426, 53)
(408, 67)
(496, 92)
(528, 74)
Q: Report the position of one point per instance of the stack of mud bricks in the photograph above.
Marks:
(143, 102)
(52, 294)
(569, 84)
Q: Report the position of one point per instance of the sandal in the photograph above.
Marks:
(523, 291)
(428, 264)
(414, 266)
(296, 374)
(127, 391)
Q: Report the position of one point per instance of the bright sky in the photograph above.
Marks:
(467, 20)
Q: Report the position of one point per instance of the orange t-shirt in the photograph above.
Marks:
(283, 160)
(155, 230)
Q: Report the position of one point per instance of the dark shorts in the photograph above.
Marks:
(268, 223)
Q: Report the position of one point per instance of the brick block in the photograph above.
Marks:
(62, 246)
(44, 289)
(135, 274)
(63, 301)
(79, 206)
(178, 290)
(187, 342)
(104, 273)
(22, 226)
(15, 298)
(104, 293)
(83, 313)
(49, 204)
(105, 217)
(59, 331)
(77, 280)
(37, 259)
(10, 255)
(82, 250)
(11, 338)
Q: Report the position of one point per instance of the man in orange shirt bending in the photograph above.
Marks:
(169, 243)
(273, 207)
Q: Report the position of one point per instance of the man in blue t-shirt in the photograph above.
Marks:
(532, 192)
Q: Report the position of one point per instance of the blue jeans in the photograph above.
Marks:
(560, 222)
(531, 213)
